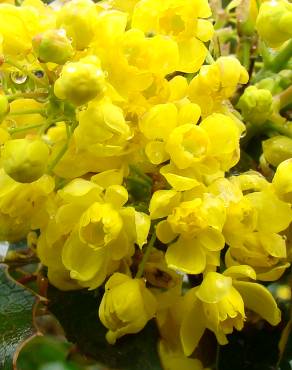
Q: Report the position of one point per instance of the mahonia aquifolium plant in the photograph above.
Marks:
(119, 137)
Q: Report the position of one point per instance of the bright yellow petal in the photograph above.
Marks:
(187, 256)
(163, 202)
(155, 152)
(164, 232)
(142, 223)
(273, 274)
(192, 54)
(192, 328)
(214, 287)
(240, 272)
(258, 299)
(212, 239)
(117, 195)
(205, 30)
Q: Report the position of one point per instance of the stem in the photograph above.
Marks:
(275, 64)
(61, 152)
(139, 173)
(24, 128)
(246, 45)
(282, 129)
(217, 357)
(146, 256)
(27, 111)
(27, 95)
(280, 59)
(25, 72)
(209, 58)
(284, 98)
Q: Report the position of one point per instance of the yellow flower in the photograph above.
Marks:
(282, 181)
(197, 224)
(22, 206)
(216, 83)
(177, 19)
(25, 160)
(274, 22)
(126, 307)
(224, 135)
(277, 149)
(77, 17)
(253, 226)
(90, 221)
(218, 305)
(80, 81)
(18, 26)
(187, 145)
(102, 129)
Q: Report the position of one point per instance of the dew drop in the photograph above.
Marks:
(18, 78)
(39, 73)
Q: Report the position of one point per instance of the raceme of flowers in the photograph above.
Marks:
(101, 100)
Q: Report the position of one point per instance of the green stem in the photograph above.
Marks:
(284, 98)
(246, 45)
(24, 128)
(282, 129)
(25, 72)
(62, 151)
(280, 59)
(146, 256)
(27, 95)
(141, 174)
(209, 58)
(27, 111)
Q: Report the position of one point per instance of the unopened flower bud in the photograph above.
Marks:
(25, 160)
(277, 149)
(77, 18)
(274, 22)
(256, 104)
(80, 81)
(53, 46)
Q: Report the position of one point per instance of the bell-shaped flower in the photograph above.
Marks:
(219, 303)
(126, 307)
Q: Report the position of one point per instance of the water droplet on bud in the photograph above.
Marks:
(18, 78)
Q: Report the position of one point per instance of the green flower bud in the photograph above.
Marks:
(25, 160)
(274, 22)
(4, 106)
(80, 81)
(255, 104)
(285, 78)
(271, 84)
(277, 149)
(53, 46)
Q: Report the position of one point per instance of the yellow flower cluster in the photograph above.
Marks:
(101, 100)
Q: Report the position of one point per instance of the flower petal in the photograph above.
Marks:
(164, 232)
(192, 54)
(187, 256)
(192, 328)
(239, 272)
(258, 299)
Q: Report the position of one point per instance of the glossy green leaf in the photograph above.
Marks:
(16, 317)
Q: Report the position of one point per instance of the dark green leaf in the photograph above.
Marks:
(78, 314)
(45, 353)
(16, 317)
